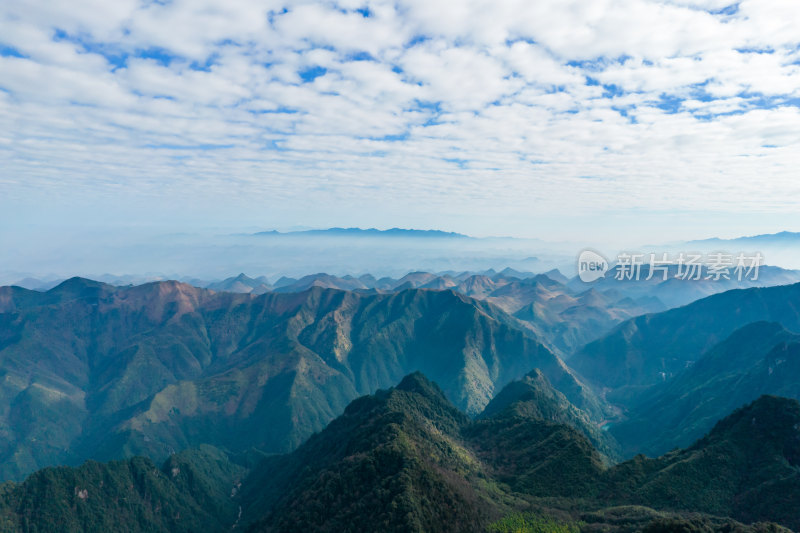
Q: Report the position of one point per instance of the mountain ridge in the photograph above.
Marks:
(405, 459)
(648, 349)
(781, 237)
(759, 358)
(146, 370)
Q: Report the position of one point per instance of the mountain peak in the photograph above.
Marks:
(768, 421)
(556, 275)
(534, 398)
(77, 287)
(534, 387)
(77, 283)
(418, 383)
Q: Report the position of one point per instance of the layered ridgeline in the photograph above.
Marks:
(760, 358)
(563, 317)
(652, 348)
(566, 317)
(678, 372)
(565, 314)
(88, 370)
(405, 459)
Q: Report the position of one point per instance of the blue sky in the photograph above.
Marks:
(631, 120)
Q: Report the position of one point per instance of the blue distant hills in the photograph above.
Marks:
(775, 239)
(370, 232)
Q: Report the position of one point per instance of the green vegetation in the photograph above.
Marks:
(747, 468)
(534, 398)
(406, 459)
(647, 349)
(760, 358)
(161, 367)
(631, 518)
(392, 462)
(274, 380)
(674, 374)
(191, 492)
(532, 523)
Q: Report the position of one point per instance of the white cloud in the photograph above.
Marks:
(478, 106)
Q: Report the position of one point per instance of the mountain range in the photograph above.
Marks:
(405, 459)
(783, 238)
(672, 375)
(564, 313)
(160, 367)
(518, 399)
(760, 358)
(652, 348)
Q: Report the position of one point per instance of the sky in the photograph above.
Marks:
(631, 120)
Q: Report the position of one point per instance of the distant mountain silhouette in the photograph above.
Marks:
(772, 239)
(369, 232)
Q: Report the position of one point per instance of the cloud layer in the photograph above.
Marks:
(482, 107)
